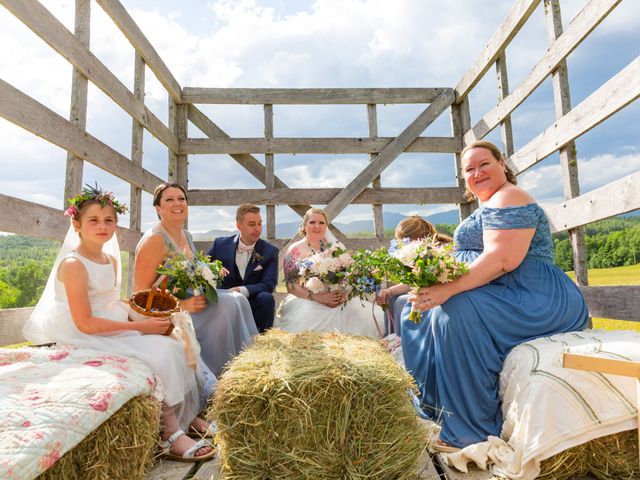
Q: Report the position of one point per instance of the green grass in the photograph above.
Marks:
(629, 275)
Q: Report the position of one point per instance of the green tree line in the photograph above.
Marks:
(25, 262)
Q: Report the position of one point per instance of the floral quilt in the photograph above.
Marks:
(52, 398)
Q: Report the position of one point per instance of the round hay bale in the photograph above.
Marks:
(123, 447)
(316, 405)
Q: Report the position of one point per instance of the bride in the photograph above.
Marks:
(324, 311)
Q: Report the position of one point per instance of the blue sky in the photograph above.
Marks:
(322, 43)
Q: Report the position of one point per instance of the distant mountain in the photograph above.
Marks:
(289, 229)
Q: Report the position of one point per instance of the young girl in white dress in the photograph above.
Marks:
(80, 306)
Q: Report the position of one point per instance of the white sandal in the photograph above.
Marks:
(190, 454)
(210, 432)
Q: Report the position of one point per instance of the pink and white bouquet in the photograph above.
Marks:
(326, 269)
(422, 263)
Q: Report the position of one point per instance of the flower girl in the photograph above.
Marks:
(80, 306)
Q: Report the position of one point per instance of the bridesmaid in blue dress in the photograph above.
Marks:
(513, 293)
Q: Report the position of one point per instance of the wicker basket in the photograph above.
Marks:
(163, 305)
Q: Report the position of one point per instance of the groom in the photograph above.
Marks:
(252, 264)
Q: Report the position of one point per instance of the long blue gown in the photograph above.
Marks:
(456, 353)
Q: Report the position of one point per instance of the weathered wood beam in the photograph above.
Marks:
(619, 196)
(506, 131)
(248, 162)
(24, 111)
(461, 122)
(53, 32)
(614, 95)
(322, 196)
(46, 222)
(139, 41)
(579, 28)
(378, 217)
(269, 174)
(78, 111)
(617, 302)
(507, 30)
(313, 145)
(389, 154)
(309, 96)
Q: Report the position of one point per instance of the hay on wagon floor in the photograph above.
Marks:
(614, 457)
(122, 448)
(316, 405)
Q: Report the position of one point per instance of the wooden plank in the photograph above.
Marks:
(453, 474)
(592, 363)
(248, 162)
(508, 29)
(322, 196)
(209, 470)
(568, 154)
(40, 221)
(53, 32)
(506, 131)
(378, 218)
(461, 122)
(389, 154)
(11, 322)
(177, 162)
(171, 470)
(309, 96)
(619, 196)
(31, 115)
(426, 468)
(78, 110)
(139, 41)
(618, 302)
(269, 171)
(579, 28)
(313, 145)
(614, 95)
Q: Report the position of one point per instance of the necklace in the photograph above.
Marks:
(316, 250)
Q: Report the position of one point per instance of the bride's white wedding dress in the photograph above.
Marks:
(299, 314)
(51, 321)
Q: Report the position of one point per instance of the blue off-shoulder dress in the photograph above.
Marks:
(456, 352)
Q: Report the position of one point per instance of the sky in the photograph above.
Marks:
(321, 43)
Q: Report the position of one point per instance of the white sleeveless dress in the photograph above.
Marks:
(164, 354)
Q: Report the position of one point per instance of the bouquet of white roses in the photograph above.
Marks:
(325, 269)
(421, 263)
(198, 273)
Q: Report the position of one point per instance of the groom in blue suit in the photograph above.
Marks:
(252, 264)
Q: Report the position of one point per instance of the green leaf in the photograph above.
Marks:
(211, 294)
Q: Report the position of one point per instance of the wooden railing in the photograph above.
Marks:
(620, 196)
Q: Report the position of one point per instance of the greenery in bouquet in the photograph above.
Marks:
(422, 263)
(325, 269)
(367, 272)
(199, 273)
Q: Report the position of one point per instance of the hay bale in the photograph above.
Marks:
(614, 457)
(121, 448)
(316, 405)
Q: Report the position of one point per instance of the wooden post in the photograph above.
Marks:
(460, 124)
(378, 220)
(178, 163)
(137, 136)
(78, 113)
(568, 156)
(503, 91)
(269, 173)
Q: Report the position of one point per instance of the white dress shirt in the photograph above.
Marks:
(243, 255)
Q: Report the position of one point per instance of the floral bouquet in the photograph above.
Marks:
(367, 272)
(421, 263)
(325, 269)
(198, 273)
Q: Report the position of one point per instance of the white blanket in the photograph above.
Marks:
(548, 409)
(52, 398)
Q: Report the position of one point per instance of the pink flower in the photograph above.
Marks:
(58, 355)
(26, 423)
(48, 460)
(100, 402)
(94, 363)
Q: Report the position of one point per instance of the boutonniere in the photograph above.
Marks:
(255, 257)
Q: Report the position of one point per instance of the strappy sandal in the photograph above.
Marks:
(441, 447)
(209, 433)
(190, 454)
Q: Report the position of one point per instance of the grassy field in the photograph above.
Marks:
(629, 275)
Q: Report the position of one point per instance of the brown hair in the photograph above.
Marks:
(495, 153)
(308, 214)
(82, 207)
(415, 227)
(244, 209)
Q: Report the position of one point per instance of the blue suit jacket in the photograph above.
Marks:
(256, 279)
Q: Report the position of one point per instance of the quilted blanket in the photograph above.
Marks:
(548, 409)
(52, 398)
